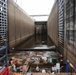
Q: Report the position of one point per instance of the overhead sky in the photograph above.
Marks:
(37, 7)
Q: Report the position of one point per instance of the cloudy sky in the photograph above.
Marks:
(37, 7)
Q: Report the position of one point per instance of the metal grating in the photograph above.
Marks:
(3, 20)
(61, 22)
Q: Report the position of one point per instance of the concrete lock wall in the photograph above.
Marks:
(52, 25)
(21, 26)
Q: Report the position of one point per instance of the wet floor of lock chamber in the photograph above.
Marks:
(37, 42)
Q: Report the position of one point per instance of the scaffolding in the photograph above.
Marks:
(3, 37)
